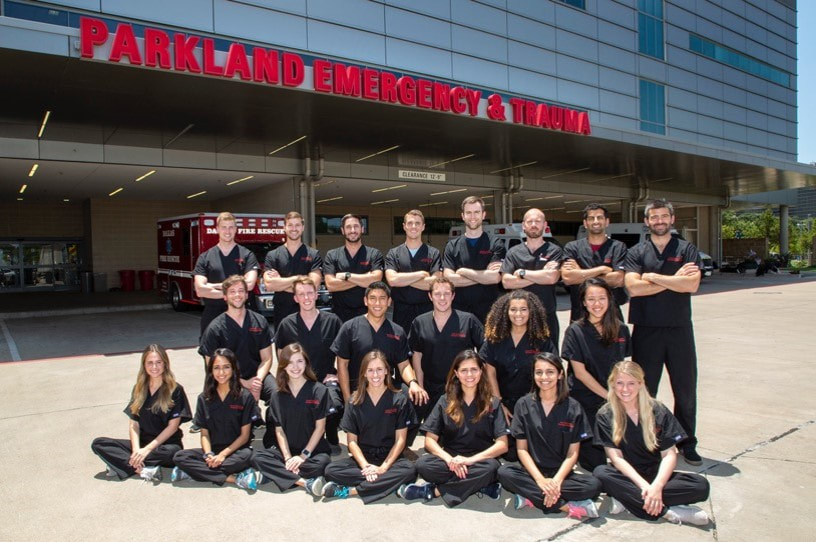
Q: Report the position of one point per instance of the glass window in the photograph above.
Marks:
(580, 4)
(652, 107)
(738, 60)
(650, 27)
(330, 224)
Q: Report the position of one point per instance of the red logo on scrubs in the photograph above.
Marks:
(532, 351)
(239, 260)
(392, 336)
(390, 411)
(607, 260)
(236, 407)
(458, 335)
(425, 260)
(365, 262)
(674, 259)
(621, 339)
(306, 259)
(255, 330)
(568, 425)
(485, 252)
(312, 402)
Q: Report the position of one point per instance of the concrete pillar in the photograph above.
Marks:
(784, 247)
(715, 233)
(499, 207)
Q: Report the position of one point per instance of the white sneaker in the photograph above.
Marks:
(151, 474)
(686, 514)
(615, 506)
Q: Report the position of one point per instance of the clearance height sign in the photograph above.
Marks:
(180, 52)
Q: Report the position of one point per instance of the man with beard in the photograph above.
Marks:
(472, 262)
(247, 334)
(350, 269)
(594, 256)
(661, 274)
(286, 263)
(409, 269)
(534, 266)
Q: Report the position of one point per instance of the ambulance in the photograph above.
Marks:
(181, 239)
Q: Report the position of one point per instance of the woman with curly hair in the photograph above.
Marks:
(639, 435)
(465, 434)
(157, 407)
(515, 331)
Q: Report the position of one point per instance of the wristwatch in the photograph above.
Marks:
(208, 454)
(522, 272)
(346, 276)
(306, 453)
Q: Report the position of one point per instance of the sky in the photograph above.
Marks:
(806, 19)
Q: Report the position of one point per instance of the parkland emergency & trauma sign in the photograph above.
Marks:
(180, 52)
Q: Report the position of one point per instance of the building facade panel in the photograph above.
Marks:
(252, 22)
(407, 25)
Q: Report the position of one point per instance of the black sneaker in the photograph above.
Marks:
(195, 429)
(691, 456)
(493, 491)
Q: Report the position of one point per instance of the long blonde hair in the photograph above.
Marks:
(645, 405)
(164, 402)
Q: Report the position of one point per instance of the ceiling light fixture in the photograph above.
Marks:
(236, 181)
(33, 170)
(191, 196)
(377, 153)
(19, 199)
(23, 188)
(145, 176)
(178, 135)
(66, 200)
(487, 196)
(44, 122)
(301, 138)
(329, 199)
(555, 209)
(574, 201)
(454, 160)
(432, 204)
(554, 197)
(390, 188)
(514, 167)
(448, 192)
(318, 185)
(116, 191)
(533, 199)
(565, 173)
(384, 201)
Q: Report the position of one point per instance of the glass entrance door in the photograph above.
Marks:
(10, 267)
(39, 265)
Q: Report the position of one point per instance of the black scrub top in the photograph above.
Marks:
(399, 259)
(471, 437)
(302, 262)
(582, 342)
(298, 415)
(520, 257)
(514, 365)
(357, 338)
(217, 267)
(376, 425)
(459, 253)
(316, 341)
(245, 341)
(338, 261)
(224, 419)
(668, 430)
(462, 331)
(151, 424)
(549, 436)
(667, 308)
(611, 254)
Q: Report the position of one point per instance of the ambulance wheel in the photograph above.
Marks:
(175, 298)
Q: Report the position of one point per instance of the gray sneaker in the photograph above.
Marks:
(686, 514)
(314, 486)
(151, 474)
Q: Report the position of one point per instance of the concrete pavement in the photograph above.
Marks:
(756, 427)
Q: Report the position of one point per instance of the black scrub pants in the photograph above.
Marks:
(674, 346)
(333, 419)
(405, 313)
(590, 455)
(682, 488)
(116, 453)
(455, 490)
(192, 462)
(271, 464)
(575, 487)
(347, 472)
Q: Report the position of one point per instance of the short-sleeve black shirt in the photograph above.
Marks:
(520, 257)
(582, 342)
(399, 259)
(338, 261)
(477, 298)
(316, 341)
(667, 308)
(376, 425)
(612, 254)
(514, 364)
(357, 338)
(245, 341)
(298, 415)
(549, 436)
(462, 331)
(302, 262)
(668, 430)
(151, 424)
(224, 419)
(217, 267)
(471, 437)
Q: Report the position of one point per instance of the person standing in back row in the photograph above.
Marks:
(533, 266)
(350, 269)
(286, 264)
(409, 269)
(472, 262)
(596, 255)
(661, 274)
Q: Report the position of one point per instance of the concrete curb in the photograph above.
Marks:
(85, 310)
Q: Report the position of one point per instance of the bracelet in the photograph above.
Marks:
(412, 381)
